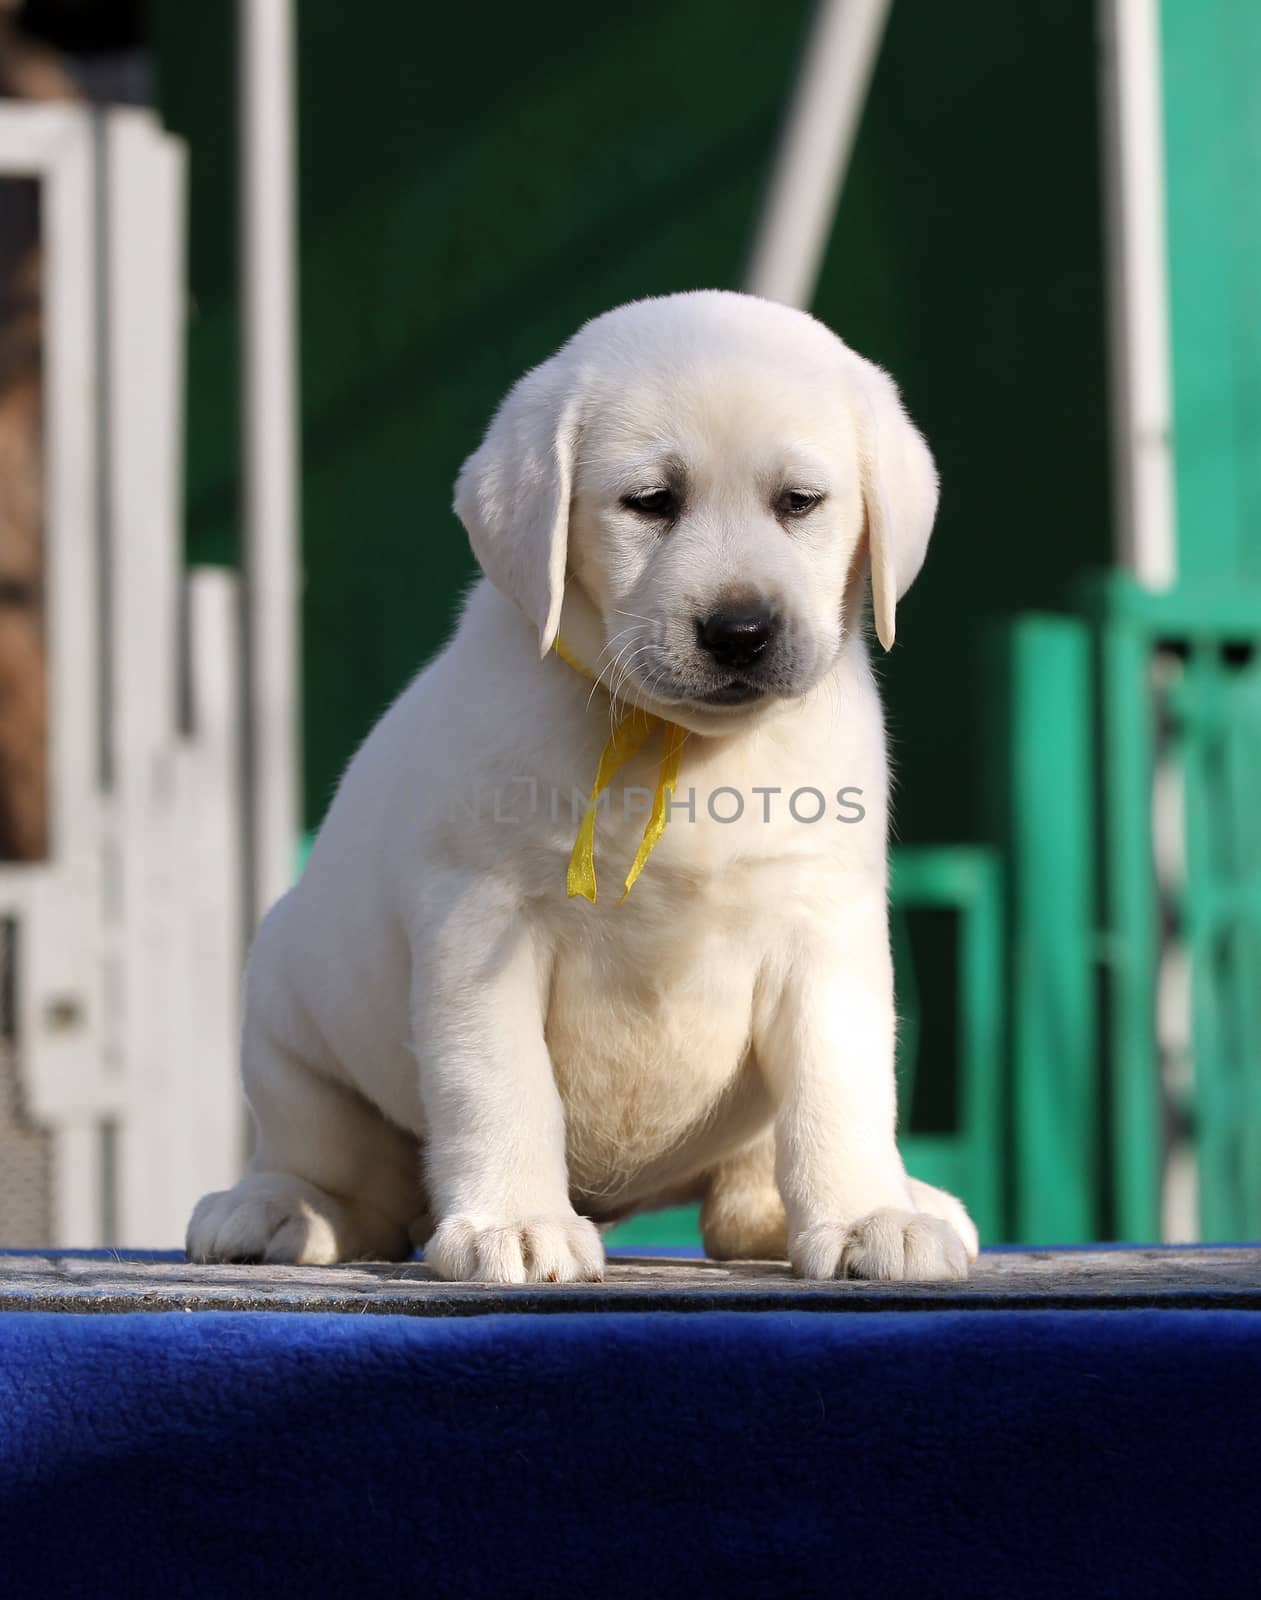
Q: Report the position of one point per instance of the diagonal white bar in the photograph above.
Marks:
(819, 131)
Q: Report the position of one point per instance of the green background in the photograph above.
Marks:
(475, 181)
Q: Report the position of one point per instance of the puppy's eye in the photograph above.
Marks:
(798, 502)
(658, 503)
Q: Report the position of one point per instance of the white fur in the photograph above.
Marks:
(727, 1033)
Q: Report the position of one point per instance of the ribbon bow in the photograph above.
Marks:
(630, 736)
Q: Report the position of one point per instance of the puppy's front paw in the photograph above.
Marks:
(937, 1203)
(275, 1217)
(887, 1246)
(558, 1249)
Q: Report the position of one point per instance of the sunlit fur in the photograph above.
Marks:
(727, 1033)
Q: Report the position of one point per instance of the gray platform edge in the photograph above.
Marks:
(1173, 1279)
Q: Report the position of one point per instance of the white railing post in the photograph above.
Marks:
(1132, 108)
(60, 999)
(269, 444)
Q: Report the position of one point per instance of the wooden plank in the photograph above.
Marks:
(1211, 56)
(1089, 1280)
(1047, 736)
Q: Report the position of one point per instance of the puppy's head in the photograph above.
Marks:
(711, 470)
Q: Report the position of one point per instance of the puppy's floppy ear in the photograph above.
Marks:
(513, 493)
(899, 484)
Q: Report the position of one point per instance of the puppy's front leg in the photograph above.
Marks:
(826, 1045)
(495, 1128)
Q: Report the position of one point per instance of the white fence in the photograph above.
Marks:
(128, 937)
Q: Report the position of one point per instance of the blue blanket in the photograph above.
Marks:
(1011, 1454)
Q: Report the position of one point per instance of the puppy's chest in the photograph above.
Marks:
(647, 1033)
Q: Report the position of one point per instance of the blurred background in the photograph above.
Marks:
(266, 268)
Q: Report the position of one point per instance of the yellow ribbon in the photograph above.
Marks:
(630, 736)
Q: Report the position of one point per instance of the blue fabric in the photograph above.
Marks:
(777, 1454)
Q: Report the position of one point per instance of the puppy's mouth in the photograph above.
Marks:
(738, 692)
(669, 679)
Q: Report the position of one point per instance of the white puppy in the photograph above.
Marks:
(440, 1043)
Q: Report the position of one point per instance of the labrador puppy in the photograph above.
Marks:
(597, 921)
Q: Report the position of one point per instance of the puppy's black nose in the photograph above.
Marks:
(737, 635)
